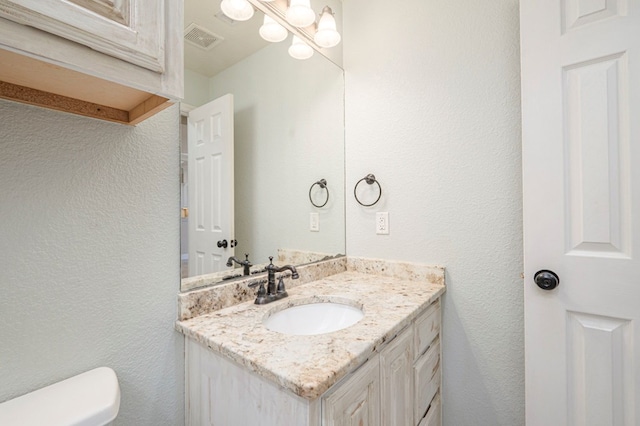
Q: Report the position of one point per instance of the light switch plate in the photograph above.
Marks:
(314, 222)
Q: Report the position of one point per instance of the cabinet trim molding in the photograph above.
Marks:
(136, 38)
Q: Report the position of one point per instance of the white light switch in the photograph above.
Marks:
(314, 222)
(382, 223)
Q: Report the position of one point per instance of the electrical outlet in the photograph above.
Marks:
(382, 223)
(314, 222)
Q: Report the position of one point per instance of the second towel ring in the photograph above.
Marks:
(323, 184)
(370, 179)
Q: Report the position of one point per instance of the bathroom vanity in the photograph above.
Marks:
(382, 370)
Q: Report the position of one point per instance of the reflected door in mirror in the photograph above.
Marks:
(210, 180)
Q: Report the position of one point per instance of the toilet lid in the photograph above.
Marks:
(88, 399)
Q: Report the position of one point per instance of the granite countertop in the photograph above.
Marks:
(309, 365)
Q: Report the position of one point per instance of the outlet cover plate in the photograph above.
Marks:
(382, 223)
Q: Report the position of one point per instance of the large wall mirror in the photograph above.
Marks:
(287, 134)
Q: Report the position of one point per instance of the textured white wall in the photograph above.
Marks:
(89, 256)
(289, 133)
(433, 110)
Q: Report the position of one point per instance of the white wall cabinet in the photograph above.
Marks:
(397, 386)
(117, 60)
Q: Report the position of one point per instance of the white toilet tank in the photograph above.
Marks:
(88, 399)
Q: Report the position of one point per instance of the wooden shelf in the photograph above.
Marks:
(35, 82)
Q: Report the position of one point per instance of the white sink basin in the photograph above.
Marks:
(313, 318)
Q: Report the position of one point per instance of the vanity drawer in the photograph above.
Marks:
(427, 327)
(434, 415)
(426, 373)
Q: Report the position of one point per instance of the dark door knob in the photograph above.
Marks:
(546, 280)
(222, 244)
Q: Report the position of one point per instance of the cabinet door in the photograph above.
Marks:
(427, 379)
(131, 30)
(396, 380)
(356, 401)
(221, 392)
(427, 328)
(434, 415)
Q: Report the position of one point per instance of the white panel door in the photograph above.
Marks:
(210, 151)
(132, 30)
(581, 173)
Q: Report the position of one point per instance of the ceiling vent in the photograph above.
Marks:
(201, 37)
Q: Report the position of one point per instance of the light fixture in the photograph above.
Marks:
(299, 49)
(272, 31)
(238, 10)
(327, 35)
(300, 13)
(300, 20)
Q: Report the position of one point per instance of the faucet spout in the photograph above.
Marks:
(246, 264)
(294, 272)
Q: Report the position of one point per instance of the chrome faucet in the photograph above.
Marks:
(272, 291)
(245, 263)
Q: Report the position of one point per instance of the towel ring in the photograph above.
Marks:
(370, 179)
(323, 184)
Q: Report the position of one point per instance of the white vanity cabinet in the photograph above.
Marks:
(427, 373)
(409, 376)
(396, 376)
(398, 385)
(379, 393)
(116, 60)
(357, 400)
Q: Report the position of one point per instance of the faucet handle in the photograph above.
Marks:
(261, 294)
(281, 289)
(270, 266)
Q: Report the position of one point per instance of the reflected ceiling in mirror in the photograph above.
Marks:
(213, 41)
(288, 134)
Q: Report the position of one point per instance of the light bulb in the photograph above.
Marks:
(238, 10)
(300, 13)
(299, 49)
(272, 31)
(327, 35)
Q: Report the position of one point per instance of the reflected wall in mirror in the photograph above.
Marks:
(288, 133)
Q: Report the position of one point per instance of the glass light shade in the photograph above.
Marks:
(327, 34)
(238, 10)
(300, 13)
(272, 31)
(299, 49)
